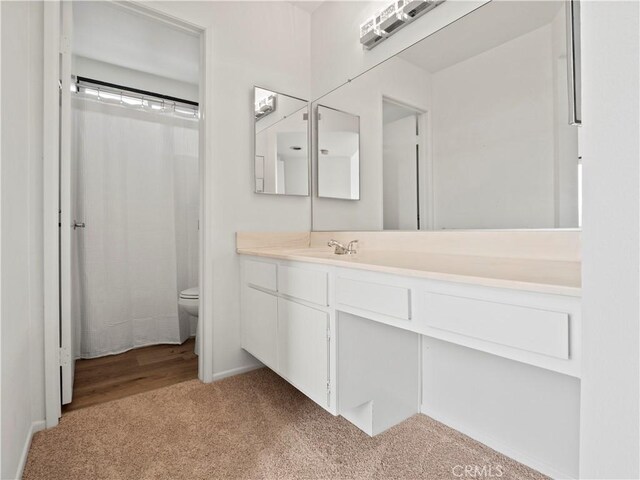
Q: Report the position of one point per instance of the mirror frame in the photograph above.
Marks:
(309, 145)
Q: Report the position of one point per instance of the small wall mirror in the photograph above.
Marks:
(281, 144)
(338, 154)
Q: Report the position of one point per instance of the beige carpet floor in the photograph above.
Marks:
(252, 426)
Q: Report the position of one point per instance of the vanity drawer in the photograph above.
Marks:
(526, 328)
(260, 274)
(390, 300)
(304, 284)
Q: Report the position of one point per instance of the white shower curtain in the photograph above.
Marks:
(137, 192)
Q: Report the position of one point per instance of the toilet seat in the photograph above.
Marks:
(190, 293)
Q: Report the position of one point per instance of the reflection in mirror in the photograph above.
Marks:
(401, 154)
(338, 154)
(281, 144)
(467, 129)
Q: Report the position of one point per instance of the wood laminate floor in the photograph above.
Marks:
(103, 379)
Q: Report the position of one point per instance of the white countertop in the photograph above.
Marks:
(533, 275)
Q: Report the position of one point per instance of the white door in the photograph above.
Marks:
(68, 231)
(401, 174)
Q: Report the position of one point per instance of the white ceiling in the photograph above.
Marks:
(308, 5)
(487, 27)
(113, 34)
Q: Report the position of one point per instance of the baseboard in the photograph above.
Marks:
(499, 446)
(35, 427)
(235, 371)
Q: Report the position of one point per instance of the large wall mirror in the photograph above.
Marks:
(281, 144)
(467, 129)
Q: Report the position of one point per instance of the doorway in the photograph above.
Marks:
(130, 195)
(405, 169)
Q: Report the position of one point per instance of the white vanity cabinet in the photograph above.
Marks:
(349, 338)
(286, 324)
(534, 328)
(303, 349)
(260, 325)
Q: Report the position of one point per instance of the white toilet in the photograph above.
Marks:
(189, 301)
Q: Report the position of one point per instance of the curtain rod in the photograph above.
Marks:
(135, 90)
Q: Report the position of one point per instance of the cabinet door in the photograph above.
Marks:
(259, 325)
(303, 349)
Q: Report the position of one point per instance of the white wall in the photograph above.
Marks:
(334, 176)
(610, 446)
(22, 376)
(135, 41)
(493, 138)
(36, 241)
(243, 56)
(296, 174)
(1, 190)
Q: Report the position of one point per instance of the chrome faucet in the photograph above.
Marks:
(340, 249)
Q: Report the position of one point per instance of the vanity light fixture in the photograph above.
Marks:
(392, 18)
(369, 34)
(415, 8)
(265, 106)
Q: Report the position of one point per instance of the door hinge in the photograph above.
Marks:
(65, 357)
(328, 334)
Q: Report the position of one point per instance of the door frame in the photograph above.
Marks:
(52, 305)
(425, 160)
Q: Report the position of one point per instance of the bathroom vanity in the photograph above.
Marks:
(346, 330)
(463, 301)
